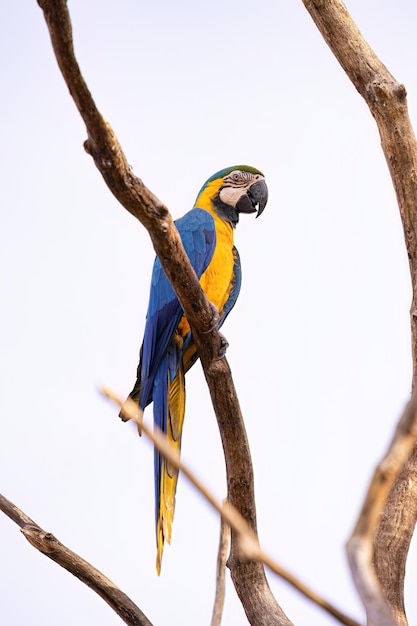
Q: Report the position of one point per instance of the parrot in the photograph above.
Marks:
(168, 350)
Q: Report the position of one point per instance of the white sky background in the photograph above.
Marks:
(319, 340)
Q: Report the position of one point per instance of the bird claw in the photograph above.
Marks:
(216, 318)
(224, 344)
(138, 419)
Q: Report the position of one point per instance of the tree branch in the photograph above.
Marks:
(247, 547)
(50, 546)
(249, 578)
(387, 102)
(221, 572)
(378, 527)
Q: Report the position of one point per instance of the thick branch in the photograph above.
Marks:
(249, 578)
(400, 512)
(129, 190)
(392, 514)
(50, 546)
(378, 525)
(386, 99)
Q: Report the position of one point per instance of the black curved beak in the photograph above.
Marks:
(254, 200)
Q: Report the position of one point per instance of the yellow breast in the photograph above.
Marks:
(216, 281)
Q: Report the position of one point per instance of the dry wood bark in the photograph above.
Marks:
(249, 577)
(387, 102)
(46, 543)
(221, 573)
(379, 546)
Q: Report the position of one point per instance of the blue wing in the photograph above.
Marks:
(198, 236)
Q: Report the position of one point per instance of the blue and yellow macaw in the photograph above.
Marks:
(168, 350)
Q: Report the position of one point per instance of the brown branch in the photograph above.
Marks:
(390, 562)
(398, 517)
(129, 190)
(249, 577)
(50, 546)
(221, 572)
(376, 570)
(15, 514)
(247, 545)
(392, 514)
(386, 99)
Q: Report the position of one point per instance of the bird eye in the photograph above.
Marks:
(236, 176)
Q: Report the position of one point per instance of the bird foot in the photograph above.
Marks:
(138, 419)
(224, 344)
(216, 318)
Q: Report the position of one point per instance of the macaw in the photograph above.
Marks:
(168, 350)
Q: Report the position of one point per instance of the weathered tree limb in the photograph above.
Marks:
(15, 514)
(378, 525)
(398, 514)
(386, 99)
(248, 546)
(249, 578)
(50, 546)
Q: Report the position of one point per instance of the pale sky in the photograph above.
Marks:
(319, 339)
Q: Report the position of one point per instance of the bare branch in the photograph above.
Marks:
(15, 514)
(387, 102)
(394, 533)
(379, 523)
(247, 545)
(221, 573)
(129, 190)
(249, 577)
(50, 546)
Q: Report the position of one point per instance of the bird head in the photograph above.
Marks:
(234, 190)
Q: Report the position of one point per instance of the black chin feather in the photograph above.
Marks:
(225, 211)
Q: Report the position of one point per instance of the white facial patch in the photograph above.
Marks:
(231, 195)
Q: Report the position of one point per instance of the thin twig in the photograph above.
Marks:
(248, 545)
(46, 543)
(221, 572)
